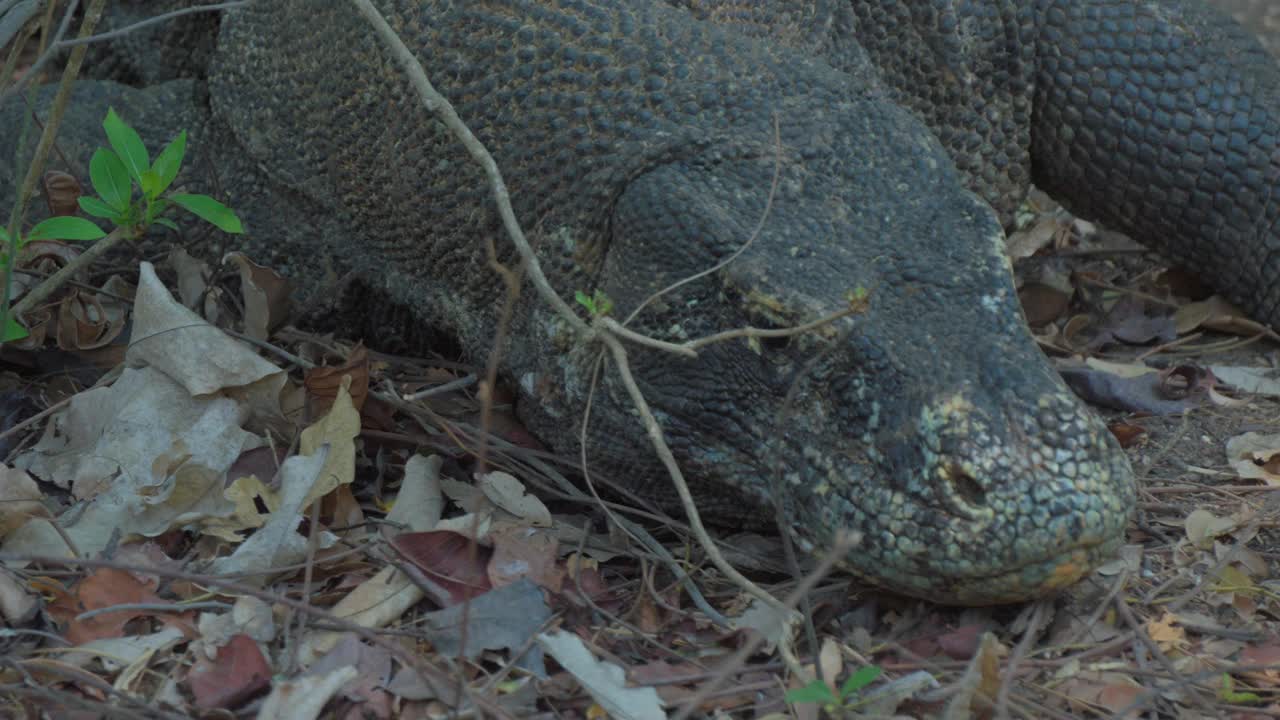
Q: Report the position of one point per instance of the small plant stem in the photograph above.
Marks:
(36, 168)
(59, 278)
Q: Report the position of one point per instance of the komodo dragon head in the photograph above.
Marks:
(929, 427)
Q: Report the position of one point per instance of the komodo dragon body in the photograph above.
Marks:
(640, 140)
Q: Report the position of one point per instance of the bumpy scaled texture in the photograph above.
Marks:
(640, 139)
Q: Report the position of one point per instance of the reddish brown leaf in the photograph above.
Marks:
(106, 587)
(1126, 433)
(237, 674)
(322, 383)
(525, 552)
(451, 560)
(961, 643)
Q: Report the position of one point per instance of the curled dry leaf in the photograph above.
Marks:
(1203, 526)
(193, 278)
(84, 324)
(266, 296)
(509, 494)
(323, 383)
(1220, 315)
(61, 193)
(1255, 456)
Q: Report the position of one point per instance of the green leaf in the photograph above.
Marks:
(127, 144)
(585, 301)
(12, 330)
(95, 207)
(860, 679)
(157, 207)
(150, 182)
(110, 179)
(602, 303)
(65, 228)
(169, 161)
(1228, 693)
(211, 211)
(4, 236)
(815, 692)
(168, 223)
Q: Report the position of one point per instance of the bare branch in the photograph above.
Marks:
(121, 32)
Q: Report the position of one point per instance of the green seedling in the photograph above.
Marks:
(597, 304)
(832, 702)
(116, 174)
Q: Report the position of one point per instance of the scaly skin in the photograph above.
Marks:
(638, 140)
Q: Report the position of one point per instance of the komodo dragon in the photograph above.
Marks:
(638, 141)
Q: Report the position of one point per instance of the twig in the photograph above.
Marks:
(755, 232)
(79, 44)
(1123, 608)
(45, 56)
(459, 384)
(41, 155)
(683, 577)
(654, 431)
(155, 608)
(42, 291)
(121, 32)
(838, 549)
(1019, 654)
(437, 105)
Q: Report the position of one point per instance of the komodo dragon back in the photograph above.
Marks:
(641, 139)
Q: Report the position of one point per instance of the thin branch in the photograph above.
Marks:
(437, 105)
(155, 608)
(41, 155)
(768, 207)
(659, 442)
(38, 65)
(843, 544)
(112, 35)
(42, 291)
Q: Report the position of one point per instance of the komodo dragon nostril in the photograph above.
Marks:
(964, 487)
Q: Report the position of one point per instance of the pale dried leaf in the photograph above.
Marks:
(305, 697)
(605, 681)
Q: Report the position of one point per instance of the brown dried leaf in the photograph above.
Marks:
(84, 324)
(266, 296)
(106, 587)
(451, 560)
(524, 552)
(237, 674)
(1166, 633)
(1043, 304)
(1127, 434)
(322, 383)
(61, 193)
